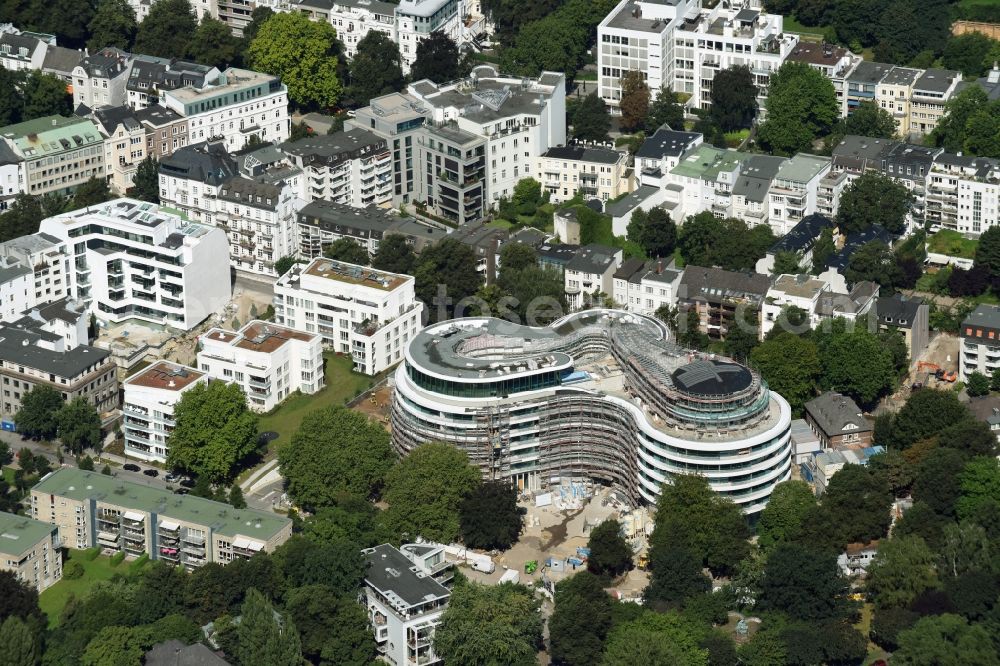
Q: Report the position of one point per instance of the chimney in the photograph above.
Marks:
(659, 266)
(994, 74)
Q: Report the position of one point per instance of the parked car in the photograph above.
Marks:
(187, 483)
(131, 467)
(171, 477)
(150, 472)
(181, 491)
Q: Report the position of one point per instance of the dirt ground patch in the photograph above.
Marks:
(376, 405)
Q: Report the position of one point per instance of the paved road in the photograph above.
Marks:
(259, 500)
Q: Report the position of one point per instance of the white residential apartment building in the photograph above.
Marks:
(16, 289)
(405, 597)
(352, 19)
(133, 259)
(353, 167)
(645, 287)
(461, 146)
(597, 173)
(267, 360)
(47, 259)
(240, 104)
(680, 44)
(794, 192)
(148, 407)
(980, 342)
(787, 291)
(22, 50)
(30, 549)
(191, 177)
(963, 193)
(260, 221)
(99, 79)
(590, 272)
(371, 315)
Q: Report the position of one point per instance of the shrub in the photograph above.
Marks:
(72, 570)
(117, 558)
(91, 553)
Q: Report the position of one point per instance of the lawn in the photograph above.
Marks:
(53, 600)
(789, 24)
(8, 475)
(341, 383)
(953, 244)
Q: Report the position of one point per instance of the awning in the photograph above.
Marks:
(247, 544)
(169, 525)
(132, 515)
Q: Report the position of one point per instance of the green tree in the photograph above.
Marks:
(665, 110)
(610, 553)
(591, 120)
(236, 497)
(11, 101)
(902, 570)
(874, 199)
(213, 44)
(258, 17)
(951, 129)
(895, 468)
(982, 132)
(857, 364)
(114, 646)
(215, 431)
(714, 528)
(734, 98)
(425, 492)
(91, 193)
(937, 480)
(284, 264)
(67, 19)
(347, 250)
(335, 450)
(790, 365)
(39, 411)
(945, 639)
(499, 625)
(452, 264)
(657, 639)
(786, 263)
(764, 649)
(395, 254)
(263, 638)
(113, 25)
(968, 53)
(353, 518)
(855, 508)
(926, 413)
(303, 54)
(79, 425)
(654, 231)
(167, 30)
(804, 583)
(634, 102)
(146, 183)
(334, 628)
(823, 250)
(787, 509)
(988, 252)
(437, 59)
(868, 119)
(977, 385)
(45, 95)
(17, 644)
(489, 516)
(978, 484)
(801, 105)
(376, 68)
(875, 262)
(574, 643)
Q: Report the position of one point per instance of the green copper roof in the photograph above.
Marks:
(18, 533)
(79, 485)
(52, 134)
(706, 162)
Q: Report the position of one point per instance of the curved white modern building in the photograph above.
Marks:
(600, 394)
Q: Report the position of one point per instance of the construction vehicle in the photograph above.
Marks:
(940, 373)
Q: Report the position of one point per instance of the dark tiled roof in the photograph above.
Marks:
(898, 310)
(717, 284)
(803, 235)
(836, 414)
(584, 154)
(204, 162)
(666, 141)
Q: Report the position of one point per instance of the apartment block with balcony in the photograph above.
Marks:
(792, 291)
(980, 342)
(30, 550)
(268, 361)
(34, 353)
(352, 167)
(91, 509)
(134, 259)
(723, 37)
(645, 287)
(48, 259)
(963, 193)
(794, 192)
(190, 179)
(235, 106)
(397, 118)
(148, 407)
(405, 597)
(371, 315)
(893, 94)
(323, 222)
(931, 91)
(55, 154)
(638, 35)
(148, 77)
(722, 297)
(353, 19)
(596, 173)
(750, 194)
(260, 221)
(862, 84)
(416, 20)
(455, 160)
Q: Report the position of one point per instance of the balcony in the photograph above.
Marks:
(259, 382)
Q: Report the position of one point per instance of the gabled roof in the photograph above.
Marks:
(593, 259)
(666, 142)
(204, 162)
(803, 235)
(717, 284)
(837, 414)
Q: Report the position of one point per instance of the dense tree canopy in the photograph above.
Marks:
(634, 102)
(376, 69)
(437, 59)
(113, 25)
(657, 639)
(347, 250)
(425, 492)
(705, 240)
(490, 517)
(79, 425)
(782, 519)
(801, 107)
(610, 553)
(167, 30)
(490, 624)
(215, 431)
(791, 366)
(574, 643)
(39, 412)
(654, 231)
(445, 274)
(734, 98)
(665, 110)
(303, 53)
(213, 44)
(873, 198)
(335, 450)
(394, 254)
(590, 119)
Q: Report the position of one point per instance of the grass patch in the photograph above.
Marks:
(53, 600)
(952, 244)
(342, 383)
(789, 24)
(734, 139)
(8, 475)
(500, 224)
